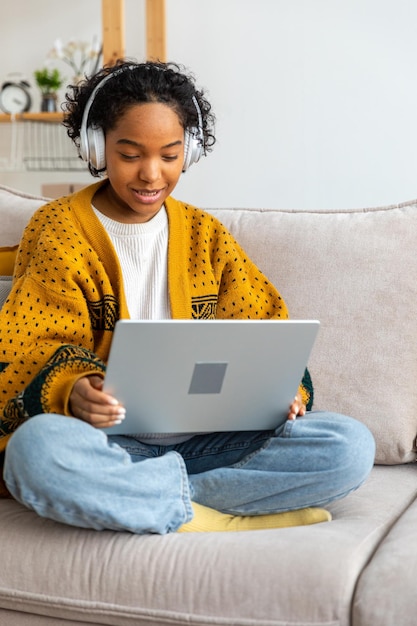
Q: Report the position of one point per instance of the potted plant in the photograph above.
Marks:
(48, 81)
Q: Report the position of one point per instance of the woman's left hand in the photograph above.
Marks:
(297, 408)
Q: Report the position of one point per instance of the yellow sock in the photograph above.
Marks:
(210, 520)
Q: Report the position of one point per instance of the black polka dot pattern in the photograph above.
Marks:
(58, 321)
(224, 282)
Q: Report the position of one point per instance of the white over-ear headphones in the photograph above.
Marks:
(92, 139)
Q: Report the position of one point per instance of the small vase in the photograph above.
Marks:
(49, 103)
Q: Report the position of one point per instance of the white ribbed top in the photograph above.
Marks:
(143, 253)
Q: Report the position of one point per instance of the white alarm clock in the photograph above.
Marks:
(15, 97)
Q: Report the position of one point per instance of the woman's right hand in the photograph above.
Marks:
(89, 403)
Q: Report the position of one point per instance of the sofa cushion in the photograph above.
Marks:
(386, 591)
(355, 271)
(286, 576)
(16, 208)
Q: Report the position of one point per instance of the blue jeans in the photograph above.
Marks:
(66, 470)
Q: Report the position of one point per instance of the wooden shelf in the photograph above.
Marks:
(32, 117)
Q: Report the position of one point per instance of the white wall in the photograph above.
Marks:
(316, 100)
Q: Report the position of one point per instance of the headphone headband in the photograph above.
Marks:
(92, 138)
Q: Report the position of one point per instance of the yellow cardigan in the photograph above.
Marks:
(67, 295)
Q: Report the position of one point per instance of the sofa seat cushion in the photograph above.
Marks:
(304, 575)
(354, 271)
(386, 592)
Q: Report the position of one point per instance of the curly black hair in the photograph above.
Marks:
(134, 83)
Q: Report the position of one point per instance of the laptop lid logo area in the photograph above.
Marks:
(207, 378)
(216, 375)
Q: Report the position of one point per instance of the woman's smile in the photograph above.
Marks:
(147, 196)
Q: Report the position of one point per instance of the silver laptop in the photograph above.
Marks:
(177, 376)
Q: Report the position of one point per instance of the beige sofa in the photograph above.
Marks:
(356, 271)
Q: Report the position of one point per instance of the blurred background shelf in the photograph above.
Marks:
(37, 142)
(32, 117)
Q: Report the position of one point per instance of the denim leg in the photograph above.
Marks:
(307, 462)
(68, 471)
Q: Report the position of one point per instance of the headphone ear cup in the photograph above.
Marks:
(96, 147)
(193, 148)
(83, 143)
(187, 151)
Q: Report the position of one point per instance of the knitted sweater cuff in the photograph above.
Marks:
(49, 391)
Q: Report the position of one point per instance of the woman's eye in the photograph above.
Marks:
(129, 157)
(132, 157)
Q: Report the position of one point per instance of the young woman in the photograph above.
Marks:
(124, 247)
